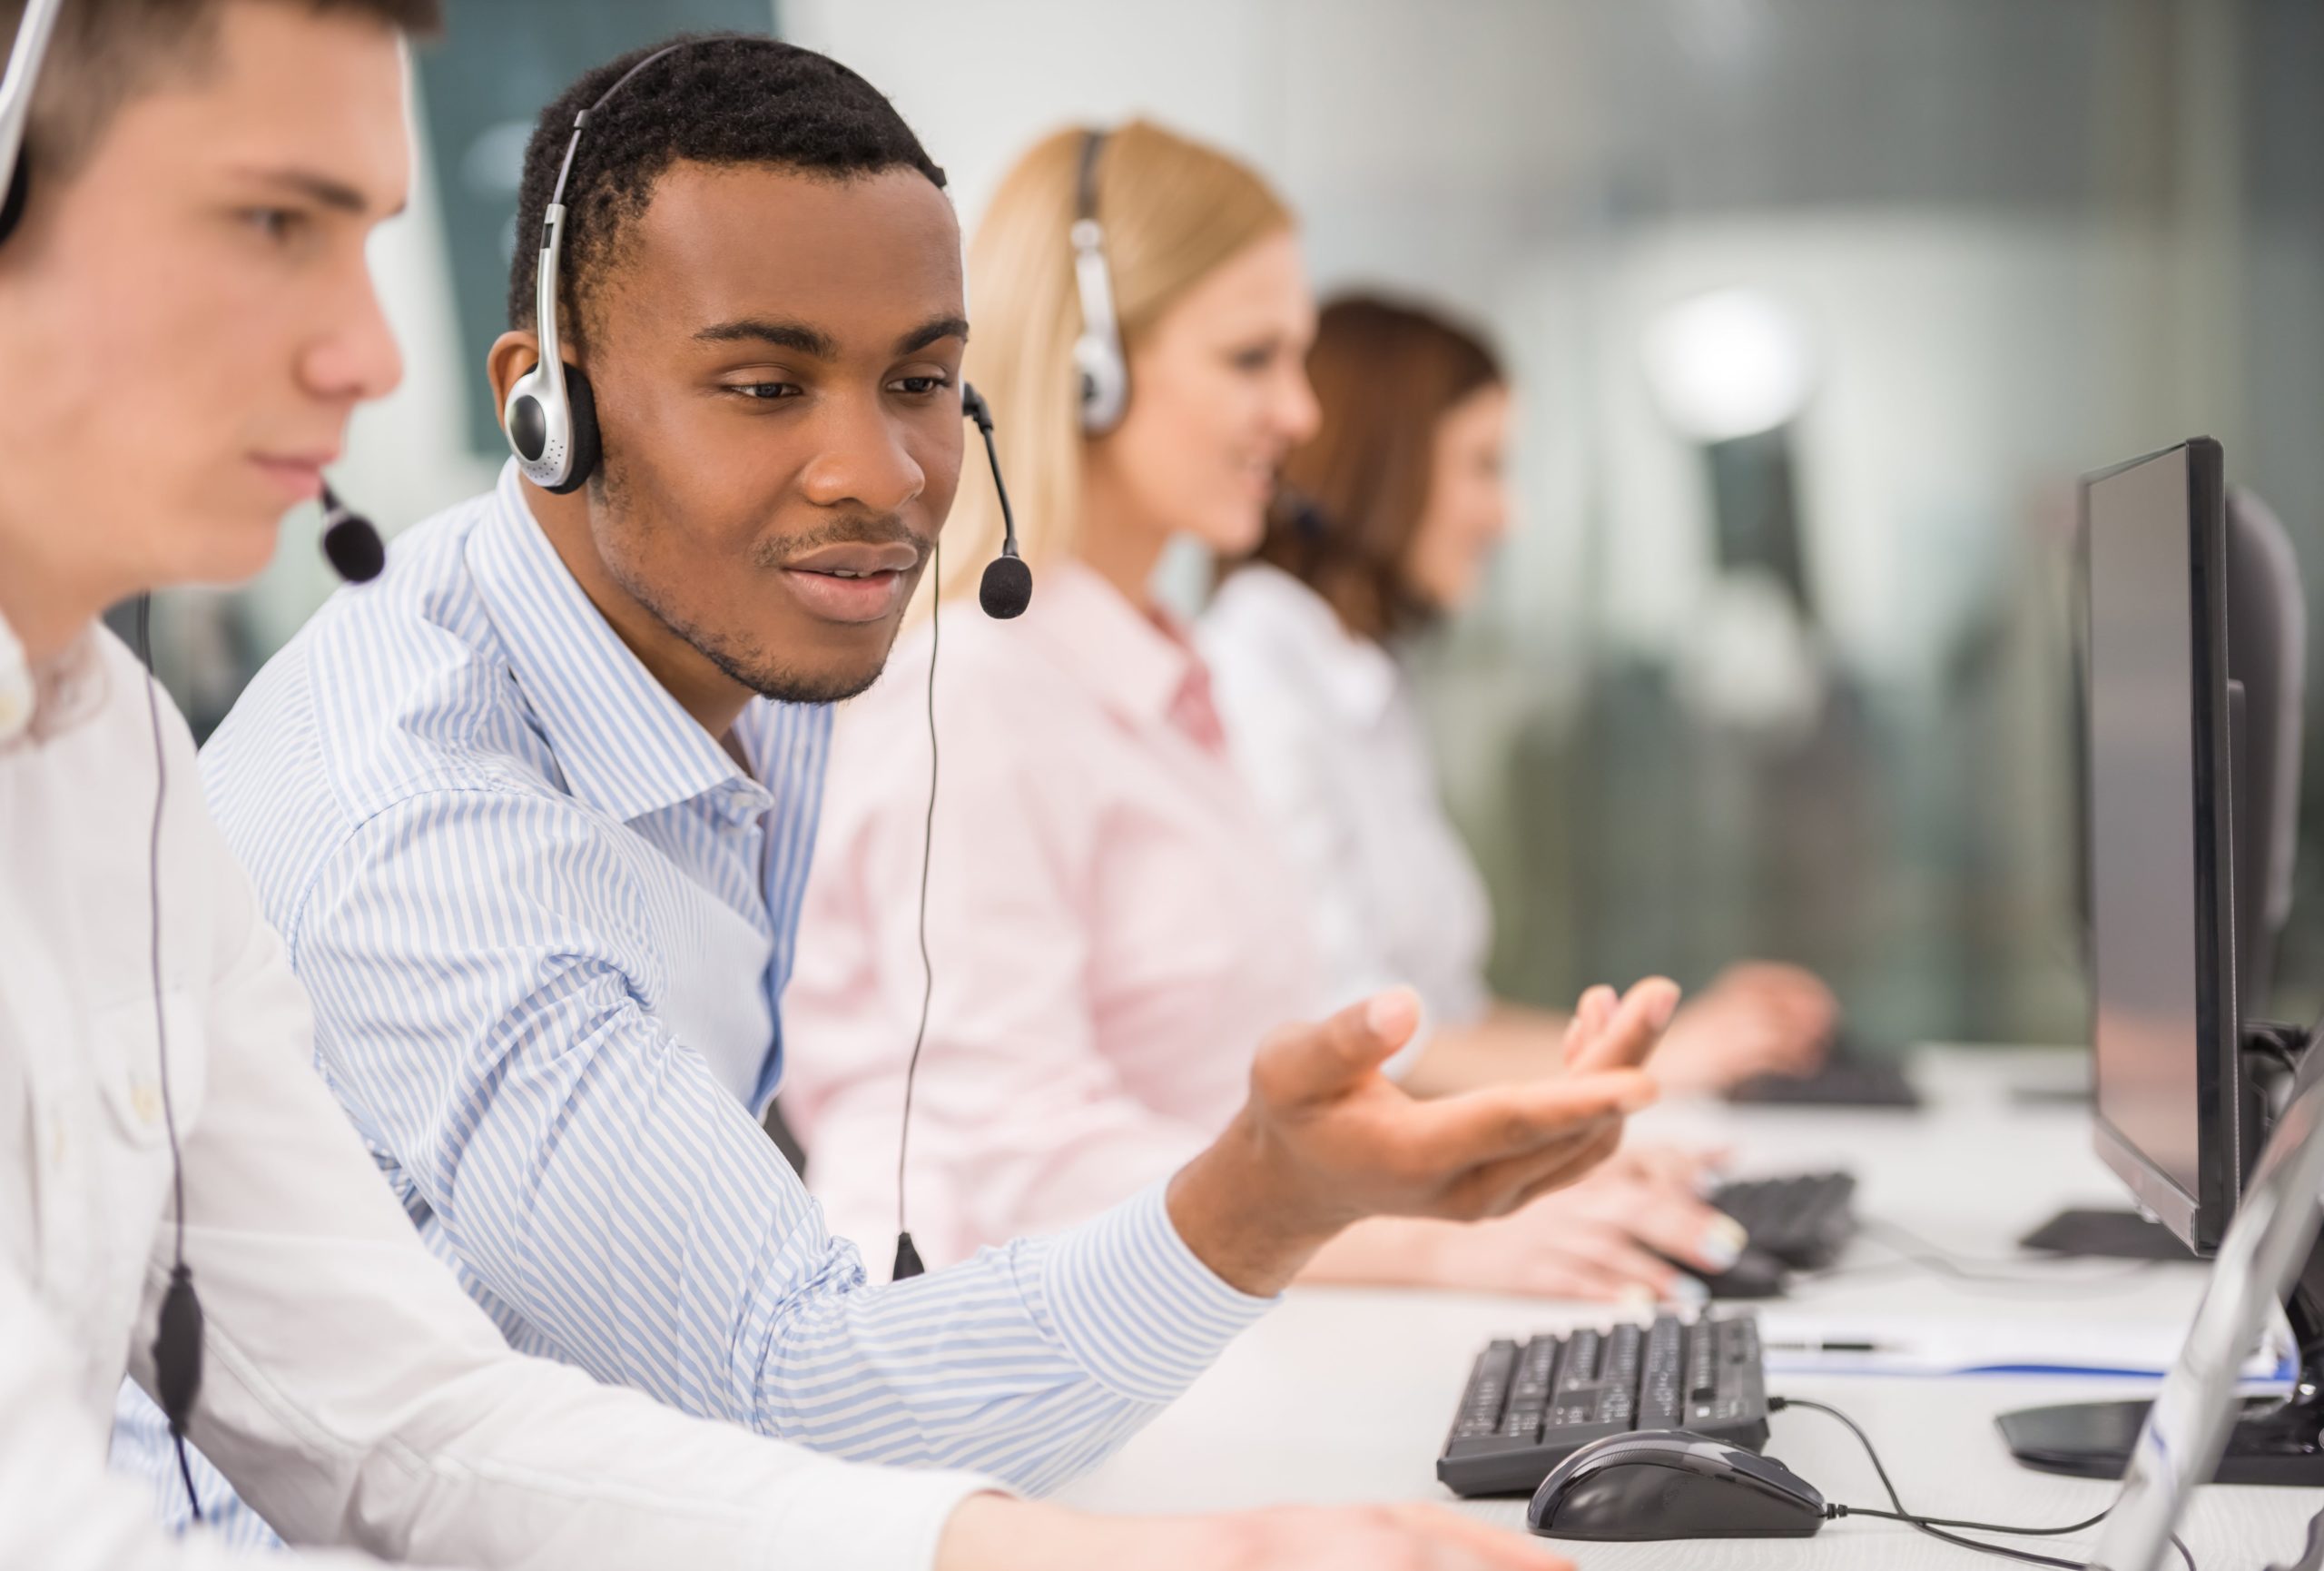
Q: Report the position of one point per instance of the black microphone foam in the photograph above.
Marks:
(1007, 589)
(177, 1349)
(349, 542)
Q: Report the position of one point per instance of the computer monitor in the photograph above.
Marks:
(2165, 1019)
(2173, 802)
(2268, 1253)
(2267, 661)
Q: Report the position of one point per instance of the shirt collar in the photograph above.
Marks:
(624, 745)
(1358, 675)
(39, 700)
(1141, 665)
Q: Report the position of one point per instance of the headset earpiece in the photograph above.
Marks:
(12, 199)
(1097, 356)
(551, 419)
(581, 416)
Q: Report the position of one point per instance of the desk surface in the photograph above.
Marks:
(1346, 1394)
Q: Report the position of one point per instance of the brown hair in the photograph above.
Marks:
(1385, 374)
(1173, 210)
(105, 53)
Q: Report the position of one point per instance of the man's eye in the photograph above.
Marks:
(1255, 359)
(274, 224)
(766, 390)
(921, 386)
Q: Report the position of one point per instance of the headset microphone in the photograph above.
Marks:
(349, 542)
(1007, 585)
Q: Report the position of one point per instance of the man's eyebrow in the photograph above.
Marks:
(932, 331)
(791, 335)
(318, 188)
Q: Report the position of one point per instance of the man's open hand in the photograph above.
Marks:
(1326, 1140)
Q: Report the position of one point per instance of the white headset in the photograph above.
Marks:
(16, 106)
(1097, 352)
(17, 694)
(550, 416)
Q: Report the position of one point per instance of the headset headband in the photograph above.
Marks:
(16, 104)
(1084, 184)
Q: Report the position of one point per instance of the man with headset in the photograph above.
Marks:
(530, 822)
(185, 323)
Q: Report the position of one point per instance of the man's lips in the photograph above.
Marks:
(854, 581)
(299, 474)
(857, 558)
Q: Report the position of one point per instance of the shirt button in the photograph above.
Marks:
(146, 1097)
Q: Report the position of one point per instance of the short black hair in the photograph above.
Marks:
(727, 98)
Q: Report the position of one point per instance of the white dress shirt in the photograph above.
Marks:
(1323, 724)
(351, 1391)
(544, 919)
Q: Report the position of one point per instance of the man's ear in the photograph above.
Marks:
(512, 353)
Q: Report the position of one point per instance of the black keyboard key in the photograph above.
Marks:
(1581, 1366)
(1622, 1352)
(1488, 1392)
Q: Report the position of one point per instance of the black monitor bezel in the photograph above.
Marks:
(2199, 1220)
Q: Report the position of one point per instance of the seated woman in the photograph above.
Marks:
(1111, 923)
(1398, 502)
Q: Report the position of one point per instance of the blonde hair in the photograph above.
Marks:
(1171, 209)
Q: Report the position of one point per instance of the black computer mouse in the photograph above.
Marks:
(1756, 1274)
(1672, 1484)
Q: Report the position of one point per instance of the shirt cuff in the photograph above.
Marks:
(870, 1518)
(1134, 1305)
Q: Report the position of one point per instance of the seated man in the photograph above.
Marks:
(185, 323)
(532, 814)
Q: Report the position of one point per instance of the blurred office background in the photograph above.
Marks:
(1816, 307)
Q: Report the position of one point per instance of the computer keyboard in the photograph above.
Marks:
(1804, 1220)
(1531, 1405)
(1850, 1077)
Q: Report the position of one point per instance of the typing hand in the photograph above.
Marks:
(1326, 1140)
(987, 1532)
(1754, 1019)
(1611, 1237)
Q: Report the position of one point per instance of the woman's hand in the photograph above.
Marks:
(1754, 1019)
(1612, 1237)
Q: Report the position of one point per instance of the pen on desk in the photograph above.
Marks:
(1831, 1346)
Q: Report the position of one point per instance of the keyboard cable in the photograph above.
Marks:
(1935, 1527)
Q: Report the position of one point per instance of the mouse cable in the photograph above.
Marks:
(1935, 1527)
(1975, 1273)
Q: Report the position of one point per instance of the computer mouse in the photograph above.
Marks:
(1672, 1484)
(1756, 1274)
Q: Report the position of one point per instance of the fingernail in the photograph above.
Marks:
(1637, 1295)
(1689, 1291)
(1665, 1009)
(1722, 1243)
(1390, 1014)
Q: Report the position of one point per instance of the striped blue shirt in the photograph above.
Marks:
(546, 921)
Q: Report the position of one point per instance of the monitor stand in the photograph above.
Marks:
(2106, 1235)
(2277, 1441)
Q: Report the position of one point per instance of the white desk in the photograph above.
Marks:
(1346, 1394)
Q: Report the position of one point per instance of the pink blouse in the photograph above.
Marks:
(1112, 927)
